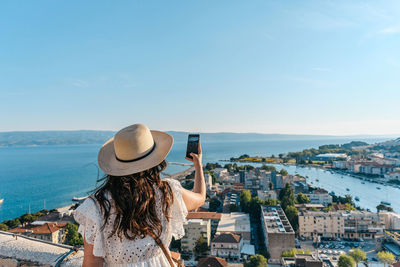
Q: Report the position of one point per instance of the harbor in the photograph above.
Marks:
(369, 194)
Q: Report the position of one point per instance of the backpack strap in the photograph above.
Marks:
(165, 251)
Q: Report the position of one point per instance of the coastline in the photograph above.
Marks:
(377, 180)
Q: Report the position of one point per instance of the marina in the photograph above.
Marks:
(368, 194)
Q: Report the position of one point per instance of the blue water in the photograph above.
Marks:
(50, 176)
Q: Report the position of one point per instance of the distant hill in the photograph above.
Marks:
(54, 137)
(98, 137)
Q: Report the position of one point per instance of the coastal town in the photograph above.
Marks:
(256, 215)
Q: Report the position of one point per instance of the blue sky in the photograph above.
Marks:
(299, 67)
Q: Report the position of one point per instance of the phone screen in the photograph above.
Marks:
(192, 145)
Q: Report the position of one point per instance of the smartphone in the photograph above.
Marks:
(192, 145)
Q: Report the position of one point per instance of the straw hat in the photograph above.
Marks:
(134, 149)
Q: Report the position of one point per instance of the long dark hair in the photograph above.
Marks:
(134, 197)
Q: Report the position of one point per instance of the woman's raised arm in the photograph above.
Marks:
(195, 198)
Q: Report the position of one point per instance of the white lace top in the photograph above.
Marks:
(131, 253)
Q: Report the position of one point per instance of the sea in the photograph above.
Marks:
(37, 177)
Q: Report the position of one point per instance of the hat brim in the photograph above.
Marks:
(110, 165)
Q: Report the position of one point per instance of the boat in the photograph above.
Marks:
(363, 182)
(317, 180)
(1, 201)
(347, 189)
(79, 198)
(386, 203)
(378, 188)
(357, 199)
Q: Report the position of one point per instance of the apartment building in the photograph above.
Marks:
(391, 219)
(363, 224)
(194, 229)
(212, 217)
(266, 194)
(278, 233)
(227, 246)
(320, 196)
(340, 224)
(235, 223)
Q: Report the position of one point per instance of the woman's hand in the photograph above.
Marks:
(196, 158)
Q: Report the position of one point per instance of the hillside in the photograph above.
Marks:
(34, 138)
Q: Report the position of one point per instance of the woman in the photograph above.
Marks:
(132, 217)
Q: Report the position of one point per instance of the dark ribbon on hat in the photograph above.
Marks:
(139, 158)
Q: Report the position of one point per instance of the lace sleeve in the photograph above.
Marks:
(179, 211)
(89, 218)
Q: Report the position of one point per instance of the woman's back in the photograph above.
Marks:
(122, 251)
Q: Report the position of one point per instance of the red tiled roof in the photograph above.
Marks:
(204, 215)
(46, 228)
(320, 191)
(338, 206)
(212, 262)
(227, 238)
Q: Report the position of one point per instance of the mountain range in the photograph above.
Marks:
(34, 138)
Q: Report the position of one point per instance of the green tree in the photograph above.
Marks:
(302, 198)
(268, 168)
(12, 223)
(382, 207)
(348, 199)
(286, 196)
(270, 202)
(292, 215)
(283, 172)
(289, 253)
(358, 255)
(346, 261)
(245, 199)
(73, 238)
(233, 208)
(385, 257)
(214, 204)
(28, 218)
(256, 261)
(201, 247)
(3, 227)
(255, 207)
(265, 253)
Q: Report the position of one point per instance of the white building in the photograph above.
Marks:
(340, 164)
(395, 175)
(236, 223)
(392, 220)
(208, 180)
(221, 173)
(227, 246)
(194, 229)
(320, 196)
(264, 195)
